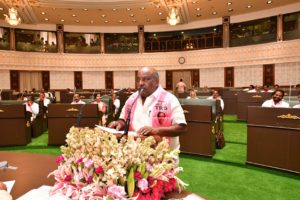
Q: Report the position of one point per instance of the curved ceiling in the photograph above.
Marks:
(130, 12)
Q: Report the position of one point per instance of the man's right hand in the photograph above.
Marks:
(2, 186)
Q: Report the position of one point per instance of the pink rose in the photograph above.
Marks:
(99, 170)
(68, 178)
(59, 159)
(89, 180)
(143, 185)
(116, 192)
(88, 163)
(79, 160)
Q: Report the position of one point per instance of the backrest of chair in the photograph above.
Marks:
(206, 102)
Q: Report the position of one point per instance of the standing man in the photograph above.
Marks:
(77, 100)
(277, 100)
(180, 87)
(146, 103)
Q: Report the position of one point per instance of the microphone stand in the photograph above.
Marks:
(127, 123)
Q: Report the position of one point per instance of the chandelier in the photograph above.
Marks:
(12, 17)
(173, 17)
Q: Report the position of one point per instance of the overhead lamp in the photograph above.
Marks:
(12, 18)
(173, 17)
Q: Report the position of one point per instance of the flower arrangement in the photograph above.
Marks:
(96, 165)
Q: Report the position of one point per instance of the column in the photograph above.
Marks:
(279, 28)
(60, 38)
(226, 31)
(12, 39)
(141, 38)
(102, 46)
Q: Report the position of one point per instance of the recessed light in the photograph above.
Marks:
(249, 6)
(148, 20)
(85, 9)
(160, 13)
(269, 2)
(215, 29)
(77, 21)
(43, 13)
(120, 21)
(198, 9)
(214, 13)
(229, 3)
(194, 2)
(182, 32)
(230, 10)
(131, 15)
(103, 15)
(73, 15)
(1, 8)
(114, 9)
(154, 34)
(128, 9)
(105, 21)
(158, 6)
(198, 15)
(142, 8)
(62, 20)
(92, 21)
(134, 21)
(46, 19)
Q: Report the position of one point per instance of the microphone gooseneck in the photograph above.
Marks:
(127, 123)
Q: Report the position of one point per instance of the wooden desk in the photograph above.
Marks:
(61, 117)
(245, 99)
(274, 138)
(33, 170)
(230, 101)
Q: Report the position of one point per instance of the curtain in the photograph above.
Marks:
(185, 76)
(29, 80)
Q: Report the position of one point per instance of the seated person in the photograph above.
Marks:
(102, 107)
(193, 95)
(215, 95)
(251, 87)
(77, 100)
(277, 100)
(267, 89)
(43, 98)
(32, 107)
(4, 195)
(47, 94)
(298, 105)
(255, 90)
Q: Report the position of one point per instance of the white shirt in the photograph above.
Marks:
(142, 114)
(271, 104)
(34, 109)
(79, 102)
(46, 102)
(221, 101)
(296, 106)
(117, 105)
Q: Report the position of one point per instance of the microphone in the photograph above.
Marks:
(79, 116)
(120, 90)
(127, 123)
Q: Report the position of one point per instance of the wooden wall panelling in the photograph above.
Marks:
(109, 80)
(169, 79)
(46, 80)
(229, 77)
(268, 74)
(78, 80)
(14, 80)
(195, 77)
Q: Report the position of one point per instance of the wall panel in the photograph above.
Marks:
(5, 79)
(287, 73)
(61, 80)
(124, 79)
(93, 80)
(212, 77)
(248, 75)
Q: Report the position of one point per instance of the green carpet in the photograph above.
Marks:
(223, 177)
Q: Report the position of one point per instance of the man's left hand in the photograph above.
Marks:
(147, 130)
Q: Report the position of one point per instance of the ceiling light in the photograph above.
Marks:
(43, 13)
(77, 21)
(105, 21)
(131, 15)
(92, 21)
(230, 10)
(46, 19)
(62, 20)
(198, 9)
(73, 15)
(12, 18)
(249, 6)
(114, 9)
(85, 9)
(229, 3)
(142, 8)
(148, 20)
(128, 9)
(269, 2)
(103, 15)
(214, 13)
(173, 17)
(160, 13)
(120, 21)
(198, 15)
(134, 20)
(158, 6)
(1, 9)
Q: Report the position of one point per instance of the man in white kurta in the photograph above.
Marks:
(277, 101)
